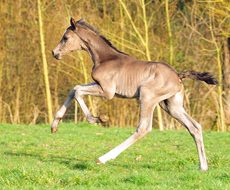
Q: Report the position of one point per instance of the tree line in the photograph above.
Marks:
(189, 35)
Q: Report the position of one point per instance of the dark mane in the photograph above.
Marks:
(102, 37)
(111, 45)
(86, 25)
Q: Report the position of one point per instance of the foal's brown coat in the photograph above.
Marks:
(118, 74)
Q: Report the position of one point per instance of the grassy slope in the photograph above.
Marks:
(32, 158)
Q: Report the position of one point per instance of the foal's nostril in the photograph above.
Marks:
(53, 53)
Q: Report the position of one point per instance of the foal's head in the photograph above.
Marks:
(70, 40)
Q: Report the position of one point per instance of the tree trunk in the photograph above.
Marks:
(45, 67)
(17, 106)
(169, 31)
(226, 76)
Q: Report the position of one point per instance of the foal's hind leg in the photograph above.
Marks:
(174, 107)
(78, 92)
(145, 126)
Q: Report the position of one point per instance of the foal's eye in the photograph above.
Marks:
(65, 39)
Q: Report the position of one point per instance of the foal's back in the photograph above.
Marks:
(130, 74)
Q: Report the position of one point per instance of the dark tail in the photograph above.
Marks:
(194, 75)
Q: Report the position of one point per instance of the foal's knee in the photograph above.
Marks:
(77, 91)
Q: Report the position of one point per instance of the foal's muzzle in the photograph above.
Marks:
(56, 55)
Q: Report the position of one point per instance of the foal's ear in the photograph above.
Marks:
(82, 20)
(73, 23)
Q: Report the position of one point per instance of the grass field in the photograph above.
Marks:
(32, 158)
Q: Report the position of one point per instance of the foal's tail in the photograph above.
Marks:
(194, 75)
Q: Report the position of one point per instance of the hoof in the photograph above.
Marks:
(203, 169)
(54, 129)
(99, 162)
(104, 118)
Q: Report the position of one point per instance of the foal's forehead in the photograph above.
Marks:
(67, 30)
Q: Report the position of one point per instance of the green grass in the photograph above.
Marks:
(32, 158)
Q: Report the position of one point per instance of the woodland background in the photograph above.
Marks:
(187, 34)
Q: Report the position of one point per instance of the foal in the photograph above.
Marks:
(118, 74)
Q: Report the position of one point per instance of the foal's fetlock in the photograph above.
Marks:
(203, 169)
(91, 119)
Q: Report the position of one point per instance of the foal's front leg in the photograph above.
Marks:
(78, 92)
(60, 113)
(89, 89)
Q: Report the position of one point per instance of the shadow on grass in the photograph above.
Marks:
(160, 166)
(69, 162)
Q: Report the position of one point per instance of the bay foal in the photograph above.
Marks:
(118, 74)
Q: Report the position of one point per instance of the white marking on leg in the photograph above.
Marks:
(61, 112)
(83, 107)
(112, 154)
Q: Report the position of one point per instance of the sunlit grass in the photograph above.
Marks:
(32, 158)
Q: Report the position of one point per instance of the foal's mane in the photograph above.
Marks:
(90, 27)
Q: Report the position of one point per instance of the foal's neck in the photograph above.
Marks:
(100, 51)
